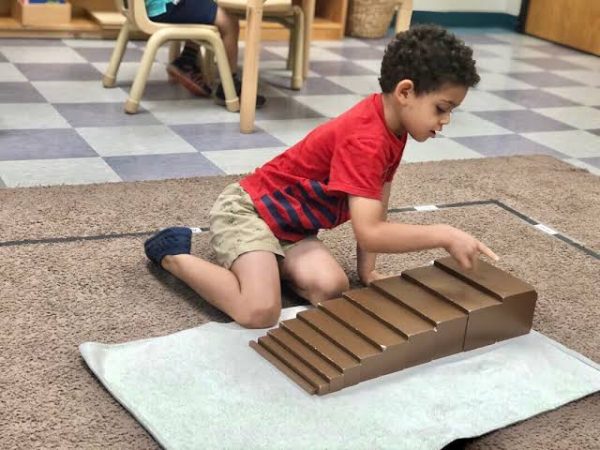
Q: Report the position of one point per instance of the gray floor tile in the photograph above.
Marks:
(592, 161)
(163, 90)
(20, 92)
(224, 136)
(60, 72)
(103, 54)
(102, 115)
(551, 63)
(522, 121)
(330, 68)
(505, 145)
(534, 98)
(156, 167)
(318, 86)
(42, 144)
(3, 58)
(358, 52)
(2, 183)
(544, 79)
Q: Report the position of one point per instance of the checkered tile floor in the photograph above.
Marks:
(59, 126)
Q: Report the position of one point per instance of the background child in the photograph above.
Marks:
(264, 228)
(185, 69)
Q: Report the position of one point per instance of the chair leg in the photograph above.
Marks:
(298, 55)
(110, 76)
(254, 13)
(174, 52)
(139, 84)
(289, 65)
(232, 102)
(403, 15)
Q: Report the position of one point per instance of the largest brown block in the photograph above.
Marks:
(399, 322)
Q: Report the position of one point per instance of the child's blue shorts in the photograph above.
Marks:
(189, 11)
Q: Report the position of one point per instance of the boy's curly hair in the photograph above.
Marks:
(429, 56)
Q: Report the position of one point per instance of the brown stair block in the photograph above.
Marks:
(517, 296)
(450, 323)
(398, 322)
(343, 361)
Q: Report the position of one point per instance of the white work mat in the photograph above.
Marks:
(205, 388)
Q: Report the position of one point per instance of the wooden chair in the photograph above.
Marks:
(404, 11)
(137, 19)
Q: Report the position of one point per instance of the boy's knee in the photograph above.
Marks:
(328, 287)
(259, 315)
(226, 21)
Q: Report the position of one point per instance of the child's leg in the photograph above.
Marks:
(229, 27)
(249, 293)
(313, 272)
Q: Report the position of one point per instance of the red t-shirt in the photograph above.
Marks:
(306, 188)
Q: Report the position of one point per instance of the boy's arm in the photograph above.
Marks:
(366, 261)
(375, 235)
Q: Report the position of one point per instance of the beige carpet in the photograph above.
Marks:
(55, 295)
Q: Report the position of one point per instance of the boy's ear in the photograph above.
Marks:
(403, 90)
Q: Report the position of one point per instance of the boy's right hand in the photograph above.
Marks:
(465, 248)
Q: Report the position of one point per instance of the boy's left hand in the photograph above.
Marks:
(373, 275)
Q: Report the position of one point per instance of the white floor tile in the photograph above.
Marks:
(437, 149)
(578, 116)
(346, 42)
(517, 38)
(486, 101)
(585, 95)
(79, 92)
(51, 55)
(500, 82)
(198, 110)
(328, 105)
(9, 73)
(21, 116)
(137, 140)
(467, 124)
(56, 171)
(242, 161)
(290, 131)
(575, 143)
(359, 84)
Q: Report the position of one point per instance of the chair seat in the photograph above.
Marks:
(269, 6)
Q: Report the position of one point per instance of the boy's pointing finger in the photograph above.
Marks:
(486, 251)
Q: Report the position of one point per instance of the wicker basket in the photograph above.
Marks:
(370, 18)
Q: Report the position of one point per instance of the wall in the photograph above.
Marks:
(511, 7)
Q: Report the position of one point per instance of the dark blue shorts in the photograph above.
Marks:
(189, 11)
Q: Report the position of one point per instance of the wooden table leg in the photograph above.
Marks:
(254, 12)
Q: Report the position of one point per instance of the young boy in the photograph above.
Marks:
(185, 69)
(264, 228)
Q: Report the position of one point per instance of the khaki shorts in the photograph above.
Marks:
(236, 228)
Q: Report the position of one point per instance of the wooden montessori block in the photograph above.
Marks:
(426, 313)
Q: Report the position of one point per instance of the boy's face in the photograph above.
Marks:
(423, 116)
